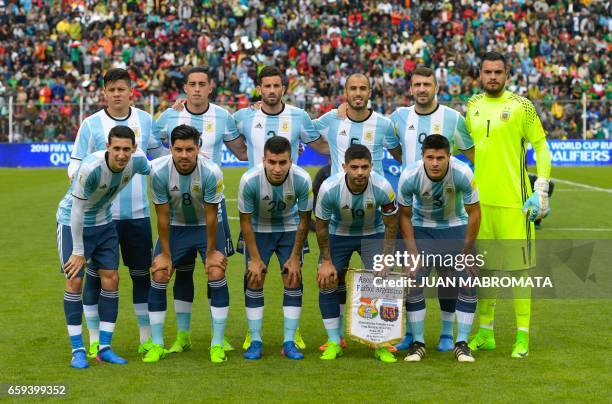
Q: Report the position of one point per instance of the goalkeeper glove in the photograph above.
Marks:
(537, 205)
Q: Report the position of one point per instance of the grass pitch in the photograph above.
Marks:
(569, 359)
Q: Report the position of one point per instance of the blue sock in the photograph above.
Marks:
(73, 310)
(183, 296)
(108, 306)
(292, 309)
(219, 308)
(330, 311)
(91, 295)
(254, 302)
(416, 314)
(157, 310)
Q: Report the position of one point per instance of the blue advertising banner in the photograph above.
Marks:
(564, 153)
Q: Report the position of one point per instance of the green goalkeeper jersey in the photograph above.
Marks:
(501, 128)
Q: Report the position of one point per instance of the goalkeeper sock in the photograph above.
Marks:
(522, 304)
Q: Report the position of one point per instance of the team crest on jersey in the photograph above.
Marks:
(369, 204)
(136, 131)
(196, 188)
(505, 115)
(449, 189)
(289, 198)
(284, 126)
(369, 136)
(436, 127)
(209, 127)
(220, 186)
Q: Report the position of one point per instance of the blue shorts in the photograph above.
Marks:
(229, 244)
(440, 241)
(279, 243)
(241, 246)
(135, 241)
(101, 246)
(187, 241)
(342, 248)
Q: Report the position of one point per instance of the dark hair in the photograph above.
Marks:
(492, 57)
(121, 132)
(197, 69)
(436, 142)
(357, 151)
(270, 71)
(115, 75)
(185, 132)
(357, 74)
(425, 72)
(277, 145)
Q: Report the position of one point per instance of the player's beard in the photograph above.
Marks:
(272, 102)
(364, 105)
(494, 89)
(427, 104)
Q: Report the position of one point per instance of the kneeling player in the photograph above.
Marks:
(269, 199)
(86, 233)
(186, 192)
(432, 196)
(357, 202)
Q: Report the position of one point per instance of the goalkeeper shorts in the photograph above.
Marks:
(508, 237)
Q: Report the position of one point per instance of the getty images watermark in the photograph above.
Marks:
(454, 271)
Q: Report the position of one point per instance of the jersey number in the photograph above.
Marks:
(187, 199)
(278, 206)
(437, 201)
(422, 137)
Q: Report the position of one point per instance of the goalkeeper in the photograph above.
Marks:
(501, 124)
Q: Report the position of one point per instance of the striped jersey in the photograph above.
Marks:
(95, 183)
(215, 125)
(412, 128)
(375, 132)
(133, 203)
(274, 208)
(438, 204)
(292, 123)
(186, 194)
(355, 214)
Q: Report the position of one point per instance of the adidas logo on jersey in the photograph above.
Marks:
(343, 133)
(103, 186)
(477, 113)
(175, 188)
(345, 207)
(266, 198)
(425, 193)
(259, 125)
(411, 127)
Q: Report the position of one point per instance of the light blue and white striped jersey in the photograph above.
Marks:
(412, 128)
(292, 123)
(186, 194)
(376, 133)
(355, 214)
(95, 183)
(133, 203)
(215, 125)
(274, 208)
(438, 204)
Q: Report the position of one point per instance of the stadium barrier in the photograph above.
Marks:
(563, 152)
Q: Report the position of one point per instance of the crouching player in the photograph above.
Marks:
(274, 201)
(434, 197)
(187, 190)
(354, 207)
(86, 233)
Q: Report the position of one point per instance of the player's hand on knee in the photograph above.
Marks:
(327, 276)
(162, 268)
(179, 104)
(73, 266)
(293, 269)
(256, 271)
(216, 259)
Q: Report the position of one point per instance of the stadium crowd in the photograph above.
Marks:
(53, 54)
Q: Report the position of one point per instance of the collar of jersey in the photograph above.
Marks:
(278, 113)
(363, 120)
(349, 188)
(201, 113)
(118, 120)
(502, 97)
(435, 109)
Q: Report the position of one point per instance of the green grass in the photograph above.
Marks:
(569, 360)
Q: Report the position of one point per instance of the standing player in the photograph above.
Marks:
(360, 205)
(275, 201)
(434, 197)
(216, 127)
(130, 209)
(275, 118)
(501, 124)
(186, 191)
(413, 125)
(86, 233)
(364, 126)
